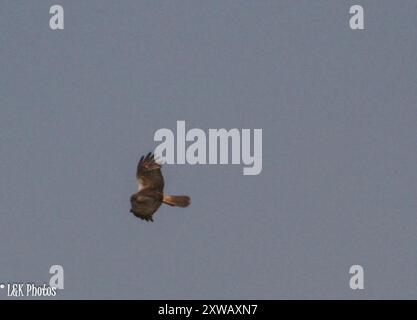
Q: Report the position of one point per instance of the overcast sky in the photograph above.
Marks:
(337, 107)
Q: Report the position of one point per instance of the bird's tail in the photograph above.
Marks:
(177, 201)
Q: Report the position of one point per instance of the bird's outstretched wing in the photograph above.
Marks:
(148, 173)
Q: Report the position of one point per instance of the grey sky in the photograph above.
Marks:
(337, 107)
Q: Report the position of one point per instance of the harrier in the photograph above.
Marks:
(151, 195)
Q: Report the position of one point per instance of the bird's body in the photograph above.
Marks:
(150, 196)
(144, 206)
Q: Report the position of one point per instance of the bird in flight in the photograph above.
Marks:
(150, 195)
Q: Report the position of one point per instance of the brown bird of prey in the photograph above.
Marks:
(151, 195)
